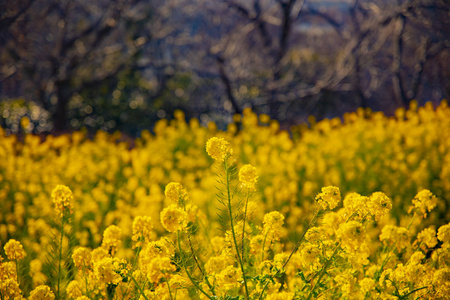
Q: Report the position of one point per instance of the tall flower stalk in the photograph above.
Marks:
(62, 198)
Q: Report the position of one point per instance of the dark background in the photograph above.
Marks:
(124, 64)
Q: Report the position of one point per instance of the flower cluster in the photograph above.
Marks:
(248, 176)
(63, 199)
(263, 222)
(174, 218)
(329, 197)
(218, 149)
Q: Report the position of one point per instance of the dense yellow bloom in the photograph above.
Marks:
(98, 254)
(14, 250)
(272, 226)
(256, 244)
(367, 285)
(428, 237)
(356, 205)
(9, 289)
(379, 205)
(229, 278)
(82, 258)
(42, 292)
(159, 248)
(179, 282)
(174, 218)
(444, 233)
(441, 281)
(63, 199)
(114, 183)
(424, 202)
(218, 149)
(329, 197)
(74, 289)
(8, 270)
(393, 235)
(142, 229)
(217, 263)
(351, 234)
(280, 296)
(159, 268)
(310, 257)
(112, 237)
(248, 176)
(176, 192)
(110, 270)
(416, 258)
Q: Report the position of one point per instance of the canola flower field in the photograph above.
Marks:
(352, 209)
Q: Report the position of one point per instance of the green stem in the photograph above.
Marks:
(183, 203)
(301, 239)
(413, 291)
(292, 252)
(194, 282)
(170, 292)
(136, 258)
(410, 222)
(110, 291)
(60, 258)
(17, 271)
(139, 287)
(245, 217)
(233, 231)
(264, 244)
(385, 261)
(322, 273)
(88, 292)
(199, 267)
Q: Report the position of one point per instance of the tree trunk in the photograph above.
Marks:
(59, 115)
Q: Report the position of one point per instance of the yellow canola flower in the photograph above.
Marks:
(142, 229)
(42, 292)
(229, 278)
(159, 268)
(256, 244)
(424, 202)
(352, 234)
(174, 218)
(356, 205)
(217, 263)
(112, 237)
(272, 226)
(394, 235)
(63, 199)
(367, 285)
(329, 197)
(441, 281)
(248, 176)
(110, 270)
(74, 289)
(82, 258)
(160, 248)
(176, 192)
(9, 289)
(280, 296)
(379, 205)
(14, 250)
(218, 149)
(428, 237)
(444, 233)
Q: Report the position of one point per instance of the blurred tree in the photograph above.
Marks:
(100, 58)
(303, 57)
(113, 64)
